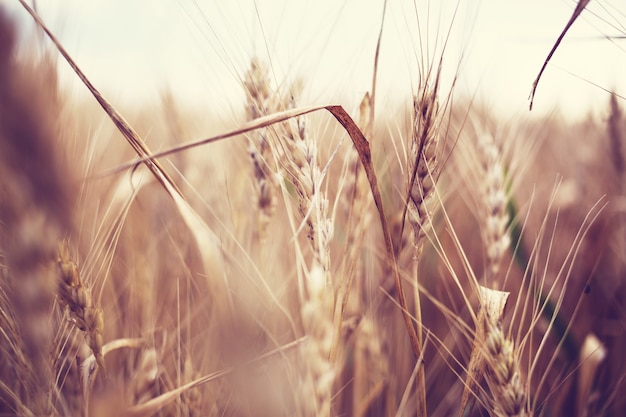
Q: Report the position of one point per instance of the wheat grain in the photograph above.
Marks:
(503, 373)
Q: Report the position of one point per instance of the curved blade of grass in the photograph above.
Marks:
(367, 114)
(362, 146)
(577, 11)
(122, 125)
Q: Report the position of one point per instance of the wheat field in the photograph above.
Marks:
(305, 259)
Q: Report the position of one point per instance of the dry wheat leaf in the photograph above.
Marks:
(577, 11)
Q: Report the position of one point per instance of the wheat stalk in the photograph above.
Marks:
(298, 154)
(492, 352)
(423, 168)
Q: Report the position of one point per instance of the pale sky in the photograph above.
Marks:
(133, 49)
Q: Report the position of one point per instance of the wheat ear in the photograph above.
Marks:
(256, 84)
(503, 373)
(424, 144)
(423, 169)
(494, 220)
(493, 203)
(76, 298)
(494, 356)
(316, 387)
(296, 153)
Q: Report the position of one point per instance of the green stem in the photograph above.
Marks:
(522, 259)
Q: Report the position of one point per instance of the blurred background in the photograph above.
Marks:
(133, 50)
